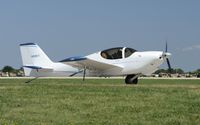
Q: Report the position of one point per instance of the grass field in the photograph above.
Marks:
(99, 102)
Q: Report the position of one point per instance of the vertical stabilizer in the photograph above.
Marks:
(33, 56)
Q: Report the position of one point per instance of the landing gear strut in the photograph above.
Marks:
(131, 79)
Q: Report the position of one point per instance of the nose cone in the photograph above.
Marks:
(167, 55)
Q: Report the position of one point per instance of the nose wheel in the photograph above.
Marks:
(131, 79)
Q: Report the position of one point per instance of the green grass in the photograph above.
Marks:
(99, 102)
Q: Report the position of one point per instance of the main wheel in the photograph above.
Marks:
(129, 79)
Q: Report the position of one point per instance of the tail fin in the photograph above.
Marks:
(33, 56)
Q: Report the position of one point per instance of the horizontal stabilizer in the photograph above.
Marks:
(33, 67)
(39, 68)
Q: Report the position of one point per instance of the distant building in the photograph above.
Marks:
(2, 74)
(20, 73)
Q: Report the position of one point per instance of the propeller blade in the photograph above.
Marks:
(166, 55)
(169, 66)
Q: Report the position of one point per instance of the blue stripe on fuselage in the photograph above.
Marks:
(70, 59)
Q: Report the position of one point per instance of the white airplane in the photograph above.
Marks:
(120, 61)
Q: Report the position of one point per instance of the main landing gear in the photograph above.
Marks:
(131, 79)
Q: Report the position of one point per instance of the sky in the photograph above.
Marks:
(65, 28)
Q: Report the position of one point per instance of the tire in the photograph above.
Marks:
(129, 79)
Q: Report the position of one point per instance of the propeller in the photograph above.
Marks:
(167, 59)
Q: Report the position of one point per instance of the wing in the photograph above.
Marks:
(84, 62)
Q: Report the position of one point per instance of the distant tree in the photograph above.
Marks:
(8, 69)
(180, 71)
(197, 71)
(160, 71)
(21, 68)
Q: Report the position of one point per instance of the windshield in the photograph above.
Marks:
(129, 51)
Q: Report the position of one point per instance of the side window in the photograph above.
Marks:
(128, 52)
(115, 53)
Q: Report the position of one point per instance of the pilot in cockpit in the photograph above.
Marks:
(104, 55)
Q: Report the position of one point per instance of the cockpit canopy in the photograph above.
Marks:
(117, 53)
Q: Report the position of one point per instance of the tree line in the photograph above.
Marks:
(178, 71)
